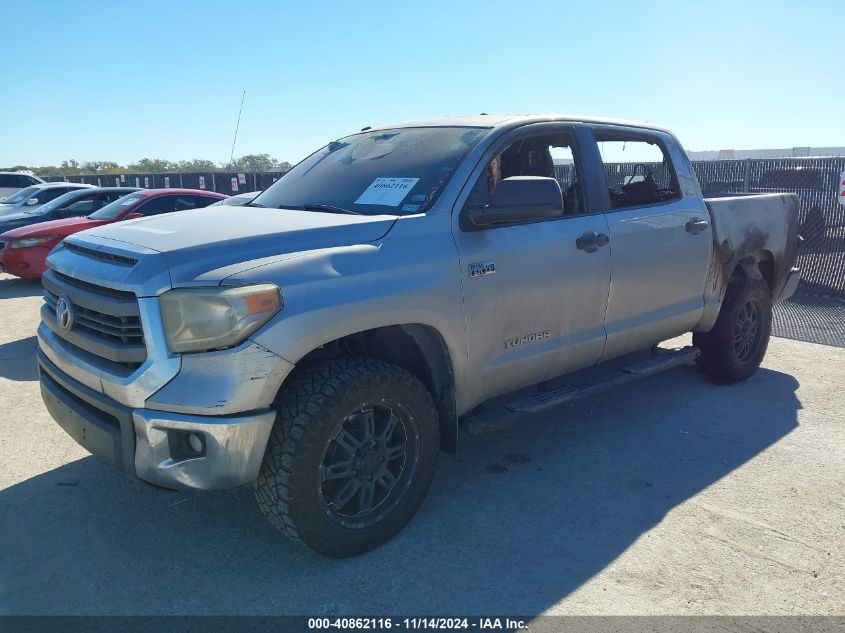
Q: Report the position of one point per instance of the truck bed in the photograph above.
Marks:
(745, 225)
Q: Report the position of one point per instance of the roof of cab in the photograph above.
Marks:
(514, 120)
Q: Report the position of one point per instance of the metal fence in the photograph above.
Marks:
(229, 183)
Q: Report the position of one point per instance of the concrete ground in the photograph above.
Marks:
(671, 496)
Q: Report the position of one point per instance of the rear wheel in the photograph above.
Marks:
(351, 456)
(735, 347)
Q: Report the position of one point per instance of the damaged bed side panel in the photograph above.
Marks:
(757, 233)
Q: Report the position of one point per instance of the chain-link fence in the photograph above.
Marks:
(230, 183)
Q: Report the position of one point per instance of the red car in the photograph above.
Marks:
(23, 250)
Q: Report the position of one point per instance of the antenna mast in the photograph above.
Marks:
(237, 125)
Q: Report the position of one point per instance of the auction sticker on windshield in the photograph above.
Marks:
(388, 192)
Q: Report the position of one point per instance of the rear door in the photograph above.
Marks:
(534, 301)
(660, 239)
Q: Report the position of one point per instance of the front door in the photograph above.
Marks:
(534, 301)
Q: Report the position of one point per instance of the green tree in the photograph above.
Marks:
(255, 162)
(101, 167)
(197, 164)
(152, 166)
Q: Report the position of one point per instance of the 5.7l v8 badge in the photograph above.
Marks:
(476, 269)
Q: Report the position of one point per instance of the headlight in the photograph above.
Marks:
(200, 319)
(27, 242)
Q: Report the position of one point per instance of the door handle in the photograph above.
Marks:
(696, 226)
(591, 241)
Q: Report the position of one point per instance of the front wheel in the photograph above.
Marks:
(351, 456)
(735, 347)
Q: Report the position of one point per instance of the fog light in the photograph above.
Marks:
(196, 442)
(185, 444)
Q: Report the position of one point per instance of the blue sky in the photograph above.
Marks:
(122, 81)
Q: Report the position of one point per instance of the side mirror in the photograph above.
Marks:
(134, 216)
(32, 202)
(520, 199)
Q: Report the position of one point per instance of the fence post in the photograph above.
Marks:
(213, 182)
(746, 175)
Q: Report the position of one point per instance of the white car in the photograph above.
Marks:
(34, 196)
(13, 181)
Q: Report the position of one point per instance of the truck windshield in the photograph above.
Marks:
(394, 172)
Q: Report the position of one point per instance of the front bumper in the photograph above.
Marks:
(26, 263)
(152, 445)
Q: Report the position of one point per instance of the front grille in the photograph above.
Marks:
(125, 330)
(105, 322)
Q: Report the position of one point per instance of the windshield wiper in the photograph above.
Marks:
(328, 208)
(255, 204)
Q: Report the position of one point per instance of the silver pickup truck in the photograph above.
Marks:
(326, 341)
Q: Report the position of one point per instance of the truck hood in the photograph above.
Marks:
(210, 244)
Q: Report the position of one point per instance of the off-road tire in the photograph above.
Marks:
(727, 356)
(309, 411)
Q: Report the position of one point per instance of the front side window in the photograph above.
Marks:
(548, 155)
(638, 170)
(57, 203)
(395, 172)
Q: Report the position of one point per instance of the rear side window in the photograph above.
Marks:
(638, 170)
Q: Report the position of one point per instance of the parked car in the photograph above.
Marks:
(72, 204)
(396, 285)
(238, 200)
(23, 250)
(34, 196)
(13, 181)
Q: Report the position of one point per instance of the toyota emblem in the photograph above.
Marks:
(64, 313)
